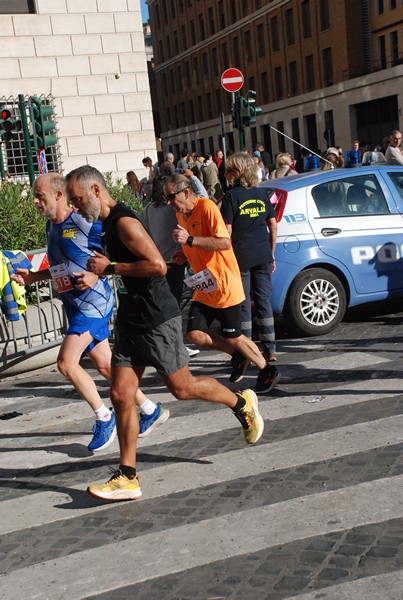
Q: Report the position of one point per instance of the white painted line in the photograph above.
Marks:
(48, 507)
(186, 547)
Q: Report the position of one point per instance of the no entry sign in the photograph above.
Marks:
(232, 80)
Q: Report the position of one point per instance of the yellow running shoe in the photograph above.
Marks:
(118, 487)
(249, 417)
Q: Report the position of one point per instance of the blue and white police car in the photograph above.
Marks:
(340, 243)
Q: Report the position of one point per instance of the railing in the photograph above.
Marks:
(39, 329)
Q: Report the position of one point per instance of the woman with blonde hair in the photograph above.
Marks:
(251, 222)
(283, 166)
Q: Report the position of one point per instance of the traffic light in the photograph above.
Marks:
(253, 110)
(43, 125)
(236, 120)
(8, 125)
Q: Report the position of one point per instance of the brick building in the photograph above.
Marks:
(324, 71)
(89, 55)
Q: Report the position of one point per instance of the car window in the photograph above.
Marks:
(350, 196)
(397, 180)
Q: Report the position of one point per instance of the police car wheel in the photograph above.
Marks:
(316, 302)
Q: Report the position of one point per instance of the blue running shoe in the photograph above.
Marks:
(104, 434)
(150, 422)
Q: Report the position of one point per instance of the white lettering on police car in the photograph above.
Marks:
(297, 218)
(385, 253)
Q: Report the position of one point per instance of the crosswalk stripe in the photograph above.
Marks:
(44, 507)
(280, 408)
(184, 547)
(387, 586)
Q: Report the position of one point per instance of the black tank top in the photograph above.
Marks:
(144, 302)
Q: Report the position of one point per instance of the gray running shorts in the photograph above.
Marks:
(162, 348)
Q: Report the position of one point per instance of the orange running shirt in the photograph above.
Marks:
(206, 221)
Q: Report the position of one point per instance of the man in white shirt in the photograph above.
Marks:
(394, 153)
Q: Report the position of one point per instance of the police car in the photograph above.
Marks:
(340, 243)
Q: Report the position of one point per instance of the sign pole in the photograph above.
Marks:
(232, 80)
(27, 140)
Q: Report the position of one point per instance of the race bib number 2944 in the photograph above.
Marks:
(203, 281)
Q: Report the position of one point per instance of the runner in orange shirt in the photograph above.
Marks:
(218, 291)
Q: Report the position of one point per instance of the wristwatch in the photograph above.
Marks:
(189, 241)
(110, 269)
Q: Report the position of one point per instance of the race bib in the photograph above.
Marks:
(203, 281)
(120, 286)
(61, 278)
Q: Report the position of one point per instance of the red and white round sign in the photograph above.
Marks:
(232, 80)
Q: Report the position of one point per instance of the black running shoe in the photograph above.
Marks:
(267, 379)
(240, 365)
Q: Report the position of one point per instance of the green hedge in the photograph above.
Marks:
(21, 228)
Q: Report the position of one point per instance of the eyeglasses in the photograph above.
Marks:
(170, 197)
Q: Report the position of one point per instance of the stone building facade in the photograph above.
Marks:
(90, 56)
(324, 71)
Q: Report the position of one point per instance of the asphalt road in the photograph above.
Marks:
(314, 510)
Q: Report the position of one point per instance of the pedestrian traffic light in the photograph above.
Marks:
(8, 125)
(43, 125)
(253, 110)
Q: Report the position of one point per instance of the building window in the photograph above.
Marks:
(183, 36)
(211, 21)
(192, 33)
(164, 83)
(251, 83)
(201, 27)
(327, 66)
(196, 69)
(199, 108)
(382, 51)
(394, 48)
(295, 136)
(310, 73)
(209, 106)
(224, 51)
(157, 15)
(192, 111)
(187, 74)
(275, 44)
(261, 42)
(245, 8)
(324, 15)
(176, 42)
(381, 8)
(179, 76)
(18, 7)
(214, 60)
(293, 71)
(306, 18)
(278, 82)
(289, 26)
(172, 78)
(206, 66)
(264, 85)
(235, 51)
(280, 138)
(233, 12)
(248, 46)
(221, 12)
(161, 51)
(392, 4)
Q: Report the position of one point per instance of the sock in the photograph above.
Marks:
(129, 472)
(148, 407)
(103, 413)
(239, 405)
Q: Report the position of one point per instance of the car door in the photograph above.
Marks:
(355, 221)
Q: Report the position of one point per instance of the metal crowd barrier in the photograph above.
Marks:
(39, 329)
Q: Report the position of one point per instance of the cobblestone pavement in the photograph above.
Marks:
(314, 507)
